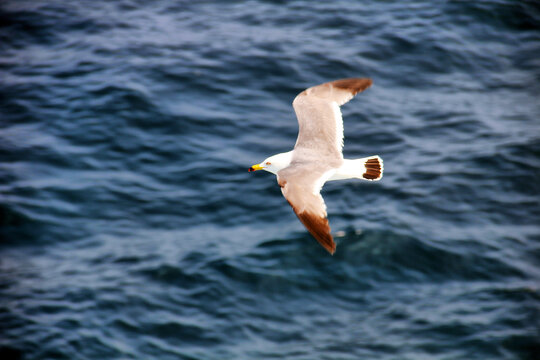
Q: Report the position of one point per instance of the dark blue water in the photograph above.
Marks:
(131, 229)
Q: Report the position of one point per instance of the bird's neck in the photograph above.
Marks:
(280, 161)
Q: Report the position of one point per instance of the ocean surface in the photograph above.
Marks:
(131, 229)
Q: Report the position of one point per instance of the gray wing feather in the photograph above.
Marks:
(319, 118)
(317, 152)
(300, 185)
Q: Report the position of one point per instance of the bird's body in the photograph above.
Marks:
(317, 156)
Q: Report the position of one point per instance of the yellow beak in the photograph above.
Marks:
(255, 168)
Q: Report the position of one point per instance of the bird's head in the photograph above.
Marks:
(274, 163)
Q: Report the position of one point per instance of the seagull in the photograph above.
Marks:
(317, 156)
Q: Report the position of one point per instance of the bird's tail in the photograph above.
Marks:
(372, 168)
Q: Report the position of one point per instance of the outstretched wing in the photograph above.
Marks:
(319, 117)
(301, 185)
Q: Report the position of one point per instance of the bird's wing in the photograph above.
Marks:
(319, 117)
(300, 185)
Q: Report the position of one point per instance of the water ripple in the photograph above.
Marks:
(130, 228)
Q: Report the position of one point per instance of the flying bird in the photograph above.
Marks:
(317, 155)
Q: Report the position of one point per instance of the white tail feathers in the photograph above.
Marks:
(369, 168)
(374, 168)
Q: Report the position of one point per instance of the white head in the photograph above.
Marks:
(274, 163)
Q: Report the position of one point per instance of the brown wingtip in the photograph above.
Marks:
(331, 249)
(320, 229)
(354, 85)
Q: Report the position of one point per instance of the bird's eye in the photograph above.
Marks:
(268, 163)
